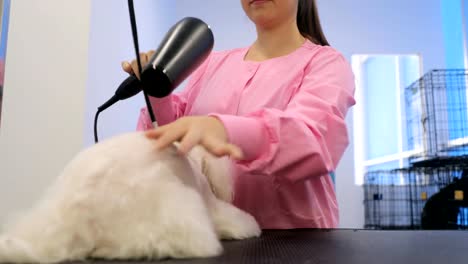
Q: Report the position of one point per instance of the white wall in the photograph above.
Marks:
(365, 26)
(42, 117)
(398, 26)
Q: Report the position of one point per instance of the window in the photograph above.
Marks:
(380, 133)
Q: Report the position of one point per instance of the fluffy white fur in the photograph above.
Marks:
(122, 199)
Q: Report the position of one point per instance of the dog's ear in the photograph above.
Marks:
(217, 171)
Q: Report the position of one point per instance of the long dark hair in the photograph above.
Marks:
(308, 22)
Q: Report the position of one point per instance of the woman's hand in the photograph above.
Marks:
(132, 67)
(190, 131)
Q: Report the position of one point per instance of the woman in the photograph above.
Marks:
(277, 108)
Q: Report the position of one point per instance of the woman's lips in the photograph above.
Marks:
(258, 2)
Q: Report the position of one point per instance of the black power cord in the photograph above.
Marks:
(122, 93)
(137, 54)
(95, 125)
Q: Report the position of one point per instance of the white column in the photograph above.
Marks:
(44, 96)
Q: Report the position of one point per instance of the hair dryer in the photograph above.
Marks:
(186, 45)
(184, 48)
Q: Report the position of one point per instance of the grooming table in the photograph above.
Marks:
(344, 247)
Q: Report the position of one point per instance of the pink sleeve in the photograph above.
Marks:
(170, 108)
(307, 139)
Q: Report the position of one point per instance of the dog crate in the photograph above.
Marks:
(436, 110)
(417, 198)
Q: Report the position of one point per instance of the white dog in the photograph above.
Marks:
(123, 199)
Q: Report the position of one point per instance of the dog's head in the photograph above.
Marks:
(216, 170)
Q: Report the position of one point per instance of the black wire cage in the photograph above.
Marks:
(417, 198)
(431, 192)
(436, 114)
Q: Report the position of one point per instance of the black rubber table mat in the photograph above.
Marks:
(342, 246)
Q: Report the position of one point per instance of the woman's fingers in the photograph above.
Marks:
(154, 133)
(150, 54)
(143, 61)
(132, 67)
(232, 151)
(190, 131)
(235, 152)
(127, 67)
(219, 148)
(168, 135)
(189, 140)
